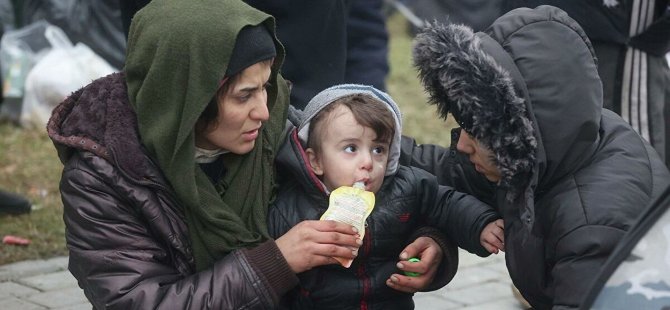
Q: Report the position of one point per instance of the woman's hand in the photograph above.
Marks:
(314, 243)
(430, 254)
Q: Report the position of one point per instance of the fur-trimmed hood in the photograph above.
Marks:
(98, 118)
(527, 88)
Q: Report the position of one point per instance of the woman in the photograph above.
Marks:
(169, 168)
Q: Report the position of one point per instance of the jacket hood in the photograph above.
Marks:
(331, 94)
(527, 88)
(99, 119)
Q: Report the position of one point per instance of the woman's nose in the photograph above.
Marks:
(260, 111)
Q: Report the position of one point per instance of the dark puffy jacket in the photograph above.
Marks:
(128, 241)
(590, 174)
(593, 174)
(406, 201)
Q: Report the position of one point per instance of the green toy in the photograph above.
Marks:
(410, 273)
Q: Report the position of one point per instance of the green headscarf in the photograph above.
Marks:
(178, 52)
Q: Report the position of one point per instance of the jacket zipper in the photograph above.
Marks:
(362, 273)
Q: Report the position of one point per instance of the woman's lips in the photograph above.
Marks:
(251, 134)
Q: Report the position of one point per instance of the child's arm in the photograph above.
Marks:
(492, 237)
(460, 216)
(451, 167)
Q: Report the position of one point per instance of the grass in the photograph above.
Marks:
(420, 120)
(29, 165)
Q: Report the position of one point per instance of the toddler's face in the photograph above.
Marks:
(349, 153)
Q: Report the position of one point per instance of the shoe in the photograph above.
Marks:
(13, 204)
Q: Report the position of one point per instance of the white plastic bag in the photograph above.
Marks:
(62, 70)
(19, 51)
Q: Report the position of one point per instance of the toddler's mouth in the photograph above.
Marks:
(366, 182)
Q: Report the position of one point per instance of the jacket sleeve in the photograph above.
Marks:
(580, 256)
(451, 167)
(461, 216)
(120, 264)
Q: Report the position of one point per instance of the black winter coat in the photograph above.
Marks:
(406, 201)
(126, 233)
(591, 174)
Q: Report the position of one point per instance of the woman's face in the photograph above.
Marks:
(242, 109)
(479, 155)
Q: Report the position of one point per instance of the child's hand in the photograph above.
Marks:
(493, 237)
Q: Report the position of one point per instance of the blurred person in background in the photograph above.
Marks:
(631, 39)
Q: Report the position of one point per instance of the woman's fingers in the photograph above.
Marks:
(314, 243)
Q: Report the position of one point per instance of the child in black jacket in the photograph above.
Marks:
(351, 133)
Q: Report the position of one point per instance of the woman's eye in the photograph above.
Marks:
(244, 98)
(267, 85)
(350, 148)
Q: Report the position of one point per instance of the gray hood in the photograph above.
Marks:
(328, 96)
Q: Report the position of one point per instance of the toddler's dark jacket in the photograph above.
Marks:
(406, 201)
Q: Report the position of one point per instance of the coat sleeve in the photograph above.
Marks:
(120, 264)
(460, 216)
(451, 167)
(580, 256)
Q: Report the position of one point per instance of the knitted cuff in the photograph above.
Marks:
(268, 262)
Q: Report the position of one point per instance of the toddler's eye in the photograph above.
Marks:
(350, 148)
(379, 150)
